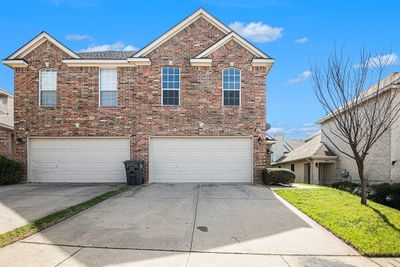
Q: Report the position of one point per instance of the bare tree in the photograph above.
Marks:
(360, 117)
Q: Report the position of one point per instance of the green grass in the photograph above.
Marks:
(373, 230)
(56, 217)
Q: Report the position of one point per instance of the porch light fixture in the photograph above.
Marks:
(19, 141)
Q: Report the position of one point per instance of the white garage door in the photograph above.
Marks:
(200, 160)
(78, 160)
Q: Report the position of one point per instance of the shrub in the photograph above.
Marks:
(272, 176)
(348, 187)
(385, 193)
(10, 171)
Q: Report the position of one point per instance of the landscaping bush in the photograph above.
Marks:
(272, 176)
(10, 171)
(385, 193)
(348, 187)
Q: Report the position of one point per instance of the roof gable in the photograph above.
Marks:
(200, 13)
(238, 39)
(37, 41)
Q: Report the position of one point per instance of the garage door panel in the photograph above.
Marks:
(201, 159)
(78, 160)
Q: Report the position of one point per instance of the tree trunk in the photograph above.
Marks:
(364, 193)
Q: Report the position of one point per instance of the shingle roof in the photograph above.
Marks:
(106, 55)
(310, 149)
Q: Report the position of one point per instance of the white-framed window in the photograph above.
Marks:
(170, 86)
(231, 87)
(108, 84)
(48, 87)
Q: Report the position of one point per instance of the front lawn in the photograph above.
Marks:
(374, 230)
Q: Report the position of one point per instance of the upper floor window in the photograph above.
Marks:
(231, 87)
(108, 88)
(171, 85)
(48, 87)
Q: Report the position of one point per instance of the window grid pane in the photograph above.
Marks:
(108, 87)
(231, 98)
(231, 86)
(108, 98)
(48, 87)
(170, 85)
(48, 98)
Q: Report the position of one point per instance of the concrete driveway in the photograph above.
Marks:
(186, 225)
(22, 203)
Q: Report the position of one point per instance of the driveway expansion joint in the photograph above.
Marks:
(195, 215)
(194, 251)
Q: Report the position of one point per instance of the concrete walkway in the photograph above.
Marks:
(23, 203)
(186, 225)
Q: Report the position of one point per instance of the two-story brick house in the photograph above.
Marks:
(191, 104)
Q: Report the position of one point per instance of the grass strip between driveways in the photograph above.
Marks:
(56, 217)
(373, 230)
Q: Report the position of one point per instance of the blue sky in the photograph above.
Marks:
(295, 33)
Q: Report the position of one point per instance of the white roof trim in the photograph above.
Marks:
(15, 63)
(201, 62)
(6, 126)
(139, 61)
(201, 13)
(233, 36)
(96, 63)
(38, 40)
(107, 62)
(4, 92)
(262, 62)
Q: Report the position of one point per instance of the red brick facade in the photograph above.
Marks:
(140, 114)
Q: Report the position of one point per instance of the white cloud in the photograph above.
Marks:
(301, 40)
(275, 130)
(388, 60)
(118, 46)
(301, 77)
(78, 37)
(257, 31)
(289, 131)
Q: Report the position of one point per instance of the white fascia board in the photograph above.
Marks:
(139, 61)
(201, 13)
(38, 40)
(15, 63)
(201, 62)
(233, 36)
(97, 63)
(130, 62)
(262, 62)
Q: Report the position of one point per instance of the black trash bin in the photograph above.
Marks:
(134, 172)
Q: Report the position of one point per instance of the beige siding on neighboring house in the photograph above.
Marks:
(378, 163)
(395, 148)
(6, 110)
(298, 170)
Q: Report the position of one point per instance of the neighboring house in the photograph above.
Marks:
(191, 104)
(283, 146)
(6, 123)
(383, 161)
(312, 161)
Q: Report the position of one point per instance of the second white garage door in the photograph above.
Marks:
(207, 159)
(78, 160)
